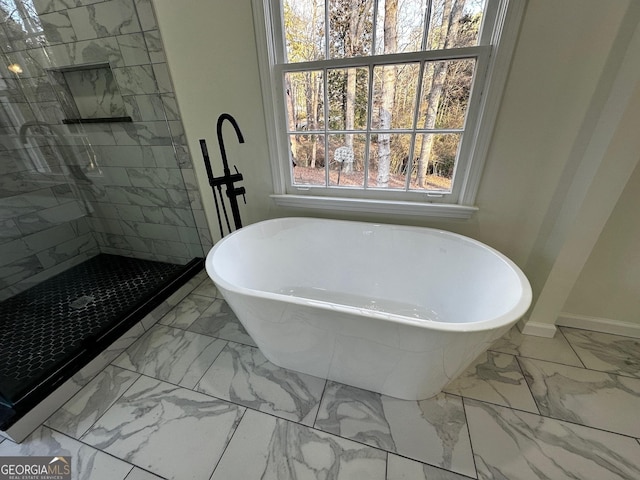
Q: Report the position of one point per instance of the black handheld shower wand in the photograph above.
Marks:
(207, 164)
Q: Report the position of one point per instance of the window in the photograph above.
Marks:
(382, 105)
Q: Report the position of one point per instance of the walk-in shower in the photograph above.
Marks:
(100, 216)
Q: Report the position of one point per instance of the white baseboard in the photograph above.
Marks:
(597, 324)
(537, 329)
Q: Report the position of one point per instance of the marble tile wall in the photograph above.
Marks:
(94, 92)
(121, 188)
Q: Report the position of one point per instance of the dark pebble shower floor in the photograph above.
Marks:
(45, 327)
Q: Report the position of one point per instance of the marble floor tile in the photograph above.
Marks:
(76, 416)
(152, 318)
(170, 431)
(173, 355)
(186, 312)
(172, 301)
(113, 351)
(198, 278)
(269, 448)
(243, 375)
(176, 297)
(219, 321)
(87, 463)
(139, 474)
(400, 468)
(432, 431)
(496, 378)
(605, 352)
(587, 397)
(206, 288)
(514, 445)
(555, 349)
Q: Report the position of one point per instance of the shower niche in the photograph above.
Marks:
(89, 94)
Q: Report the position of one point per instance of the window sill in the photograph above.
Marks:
(432, 210)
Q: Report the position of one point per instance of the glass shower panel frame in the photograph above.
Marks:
(100, 220)
(119, 188)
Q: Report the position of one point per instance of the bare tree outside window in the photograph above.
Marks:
(388, 92)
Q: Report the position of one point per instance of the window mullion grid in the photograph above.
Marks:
(389, 59)
(326, 29)
(325, 112)
(283, 114)
(473, 110)
(437, 131)
(368, 130)
(378, 131)
(276, 16)
(489, 18)
(375, 27)
(370, 62)
(325, 96)
(425, 32)
(416, 115)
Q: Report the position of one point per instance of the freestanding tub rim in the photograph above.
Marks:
(509, 317)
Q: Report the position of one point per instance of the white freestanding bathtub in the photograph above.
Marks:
(392, 309)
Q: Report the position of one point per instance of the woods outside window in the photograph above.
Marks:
(382, 105)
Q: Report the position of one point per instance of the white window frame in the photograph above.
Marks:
(493, 56)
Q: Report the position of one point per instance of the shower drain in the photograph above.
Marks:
(81, 302)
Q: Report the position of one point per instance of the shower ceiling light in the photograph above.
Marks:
(15, 68)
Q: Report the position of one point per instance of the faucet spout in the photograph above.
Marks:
(24, 128)
(62, 144)
(223, 152)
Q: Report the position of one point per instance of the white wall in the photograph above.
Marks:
(212, 60)
(609, 285)
(560, 56)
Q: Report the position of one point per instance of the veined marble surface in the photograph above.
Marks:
(104, 19)
(171, 431)
(604, 352)
(244, 376)
(555, 349)
(433, 431)
(87, 463)
(76, 416)
(95, 93)
(514, 445)
(218, 320)
(186, 312)
(87, 373)
(495, 378)
(173, 355)
(400, 468)
(587, 397)
(139, 474)
(206, 288)
(267, 448)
